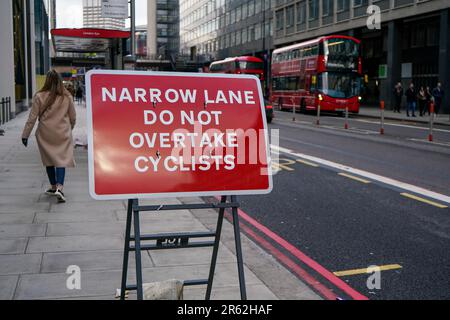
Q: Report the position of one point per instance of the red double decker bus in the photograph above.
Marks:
(326, 70)
(239, 65)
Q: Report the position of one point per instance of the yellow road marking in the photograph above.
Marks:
(366, 270)
(354, 178)
(411, 196)
(308, 163)
(283, 164)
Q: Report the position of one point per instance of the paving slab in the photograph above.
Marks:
(16, 218)
(47, 217)
(254, 292)
(22, 230)
(74, 243)
(8, 286)
(13, 246)
(89, 261)
(20, 264)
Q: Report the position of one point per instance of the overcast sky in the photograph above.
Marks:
(69, 13)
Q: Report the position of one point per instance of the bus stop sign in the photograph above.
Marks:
(157, 134)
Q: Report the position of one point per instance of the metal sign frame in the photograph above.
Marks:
(179, 241)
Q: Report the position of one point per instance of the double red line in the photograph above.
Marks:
(248, 224)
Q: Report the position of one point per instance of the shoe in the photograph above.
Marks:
(50, 192)
(60, 195)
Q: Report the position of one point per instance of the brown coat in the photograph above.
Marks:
(54, 131)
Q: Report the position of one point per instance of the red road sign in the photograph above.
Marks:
(157, 134)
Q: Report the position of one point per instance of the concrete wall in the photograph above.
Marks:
(7, 53)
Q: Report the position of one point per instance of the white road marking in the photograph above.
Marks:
(365, 174)
(401, 125)
(430, 142)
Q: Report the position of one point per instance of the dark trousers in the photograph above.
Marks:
(422, 105)
(398, 104)
(437, 106)
(56, 176)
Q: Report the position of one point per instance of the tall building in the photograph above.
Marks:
(92, 17)
(216, 29)
(24, 51)
(411, 45)
(163, 29)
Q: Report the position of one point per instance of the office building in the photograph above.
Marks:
(92, 17)
(24, 51)
(411, 45)
(216, 29)
(163, 29)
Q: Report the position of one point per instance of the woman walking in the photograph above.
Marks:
(53, 106)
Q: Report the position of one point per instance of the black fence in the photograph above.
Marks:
(5, 110)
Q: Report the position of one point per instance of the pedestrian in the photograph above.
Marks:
(438, 95)
(71, 89)
(422, 100)
(429, 100)
(53, 107)
(398, 94)
(79, 95)
(411, 98)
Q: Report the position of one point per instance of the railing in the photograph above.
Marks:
(5, 110)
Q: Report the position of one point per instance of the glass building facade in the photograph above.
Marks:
(216, 29)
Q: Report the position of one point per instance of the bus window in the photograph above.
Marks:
(313, 83)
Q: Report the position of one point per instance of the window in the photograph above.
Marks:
(301, 13)
(244, 35)
(342, 5)
(290, 16)
(258, 31)
(251, 8)
(280, 19)
(285, 83)
(238, 37)
(313, 9)
(327, 7)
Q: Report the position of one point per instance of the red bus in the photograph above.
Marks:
(326, 70)
(239, 65)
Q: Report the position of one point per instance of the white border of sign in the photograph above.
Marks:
(172, 194)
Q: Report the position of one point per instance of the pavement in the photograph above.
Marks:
(373, 112)
(40, 239)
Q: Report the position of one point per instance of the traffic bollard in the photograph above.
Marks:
(318, 115)
(346, 118)
(382, 117)
(293, 109)
(430, 135)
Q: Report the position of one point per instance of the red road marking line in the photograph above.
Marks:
(304, 258)
(324, 291)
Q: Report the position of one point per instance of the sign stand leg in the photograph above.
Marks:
(179, 241)
(215, 249)
(237, 241)
(137, 251)
(126, 250)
